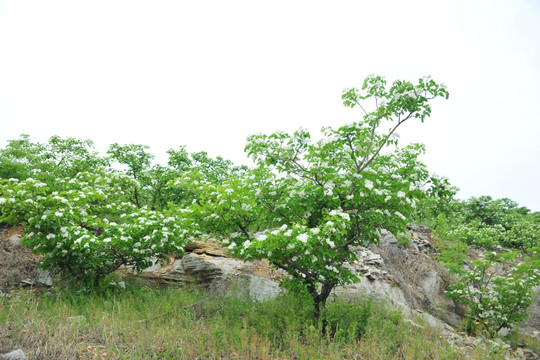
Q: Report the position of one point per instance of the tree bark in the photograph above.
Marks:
(319, 301)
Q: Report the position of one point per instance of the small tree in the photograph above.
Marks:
(497, 286)
(495, 299)
(308, 203)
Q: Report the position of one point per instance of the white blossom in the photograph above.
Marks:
(369, 184)
(400, 215)
(302, 237)
(261, 237)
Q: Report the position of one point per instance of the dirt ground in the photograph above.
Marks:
(18, 265)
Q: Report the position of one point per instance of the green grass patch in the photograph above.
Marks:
(179, 323)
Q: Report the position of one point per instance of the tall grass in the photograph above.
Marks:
(147, 323)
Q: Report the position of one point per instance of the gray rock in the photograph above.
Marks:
(431, 282)
(14, 355)
(378, 289)
(44, 278)
(387, 238)
(262, 289)
(15, 240)
(419, 228)
(504, 332)
(220, 274)
(532, 324)
(27, 282)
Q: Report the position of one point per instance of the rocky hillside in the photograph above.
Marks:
(404, 275)
(407, 276)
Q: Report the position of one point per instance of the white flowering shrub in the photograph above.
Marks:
(90, 228)
(497, 288)
(495, 300)
(308, 203)
(478, 234)
(524, 235)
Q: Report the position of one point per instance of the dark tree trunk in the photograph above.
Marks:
(319, 300)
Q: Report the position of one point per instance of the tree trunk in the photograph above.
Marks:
(319, 301)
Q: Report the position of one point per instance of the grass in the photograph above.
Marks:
(175, 323)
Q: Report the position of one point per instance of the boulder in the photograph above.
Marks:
(44, 278)
(209, 247)
(15, 240)
(14, 355)
(387, 238)
(216, 273)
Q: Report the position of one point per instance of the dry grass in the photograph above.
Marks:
(144, 323)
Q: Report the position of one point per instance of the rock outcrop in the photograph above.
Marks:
(405, 275)
(217, 273)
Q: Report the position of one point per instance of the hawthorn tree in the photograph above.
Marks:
(308, 203)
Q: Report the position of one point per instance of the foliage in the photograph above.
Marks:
(307, 203)
(495, 300)
(498, 286)
(88, 218)
(60, 157)
(89, 228)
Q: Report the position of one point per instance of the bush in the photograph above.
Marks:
(89, 229)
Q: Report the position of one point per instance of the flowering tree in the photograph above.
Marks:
(90, 228)
(308, 203)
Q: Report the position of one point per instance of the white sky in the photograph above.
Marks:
(207, 73)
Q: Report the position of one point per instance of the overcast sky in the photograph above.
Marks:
(207, 73)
